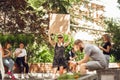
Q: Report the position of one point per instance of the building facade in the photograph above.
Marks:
(87, 19)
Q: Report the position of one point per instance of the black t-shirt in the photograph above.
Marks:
(105, 46)
(59, 51)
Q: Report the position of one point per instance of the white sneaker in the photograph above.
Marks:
(22, 76)
(27, 76)
(70, 73)
(53, 77)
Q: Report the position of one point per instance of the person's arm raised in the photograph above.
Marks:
(51, 40)
(69, 40)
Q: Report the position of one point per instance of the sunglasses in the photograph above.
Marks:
(60, 37)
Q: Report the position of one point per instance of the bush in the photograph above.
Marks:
(66, 76)
(37, 50)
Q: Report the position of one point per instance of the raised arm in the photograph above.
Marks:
(69, 40)
(51, 41)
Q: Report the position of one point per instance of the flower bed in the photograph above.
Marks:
(66, 76)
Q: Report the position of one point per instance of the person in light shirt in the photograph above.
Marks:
(93, 58)
(21, 60)
(2, 71)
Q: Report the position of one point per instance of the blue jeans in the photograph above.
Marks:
(8, 62)
(107, 59)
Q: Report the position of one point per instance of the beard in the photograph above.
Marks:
(81, 49)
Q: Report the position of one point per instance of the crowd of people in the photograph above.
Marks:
(95, 57)
(20, 59)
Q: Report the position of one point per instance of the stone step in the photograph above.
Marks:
(32, 76)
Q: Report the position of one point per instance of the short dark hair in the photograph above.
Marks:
(78, 41)
(60, 36)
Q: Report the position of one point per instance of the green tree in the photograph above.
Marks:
(23, 20)
(119, 1)
(54, 6)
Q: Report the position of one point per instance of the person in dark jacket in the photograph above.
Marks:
(71, 59)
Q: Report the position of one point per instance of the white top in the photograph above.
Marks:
(1, 63)
(23, 52)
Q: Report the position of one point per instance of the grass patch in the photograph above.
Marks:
(67, 76)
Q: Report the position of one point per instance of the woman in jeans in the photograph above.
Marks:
(106, 47)
(21, 60)
(7, 61)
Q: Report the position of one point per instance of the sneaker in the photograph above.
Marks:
(13, 77)
(54, 77)
(22, 76)
(70, 73)
(27, 76)
(9, 73)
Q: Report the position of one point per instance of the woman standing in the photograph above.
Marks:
(106, 47)
(59, 54)
(21, 60)
(7, 61)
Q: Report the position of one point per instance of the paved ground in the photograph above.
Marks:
(33, 76)
(47, 76)
(37, 76)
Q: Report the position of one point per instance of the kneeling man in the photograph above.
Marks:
(92, 52)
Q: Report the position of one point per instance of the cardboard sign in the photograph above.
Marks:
(59, 23)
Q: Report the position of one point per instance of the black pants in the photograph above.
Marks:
(22, 65)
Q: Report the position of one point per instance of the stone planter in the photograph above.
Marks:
(109, 74)
(114, 65)
(89, 77)
(40, 67)
(34, 68)
(118, 65)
